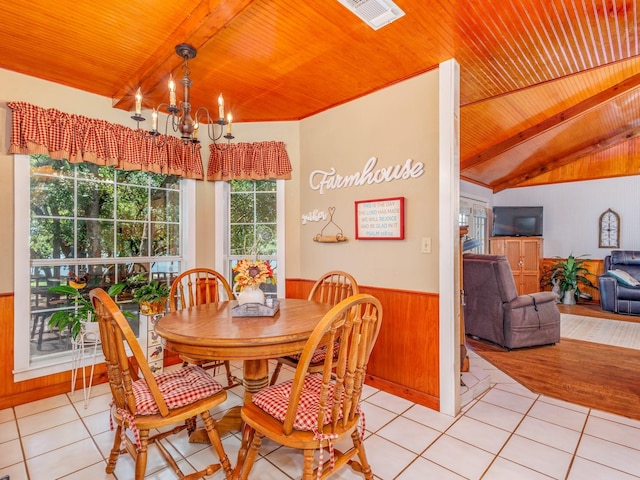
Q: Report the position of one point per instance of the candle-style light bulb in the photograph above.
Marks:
(221, 106)
(172, 91)
(154, 120)
(138, 102)
(196, 125)
(229, 120)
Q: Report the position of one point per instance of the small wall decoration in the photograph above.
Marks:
(609, 231)
(380, 219)
(322, 237)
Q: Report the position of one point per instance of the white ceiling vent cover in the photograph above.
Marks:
(375, 13)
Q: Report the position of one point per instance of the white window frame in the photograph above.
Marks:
(474, 207)
(24, 367)
(223, 235)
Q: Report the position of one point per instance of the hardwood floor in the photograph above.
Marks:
(594, 375)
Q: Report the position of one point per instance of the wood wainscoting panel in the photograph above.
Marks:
(405, 359)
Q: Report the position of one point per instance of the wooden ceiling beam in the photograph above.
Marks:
(198, 27)
(515, 180)
(551, 122)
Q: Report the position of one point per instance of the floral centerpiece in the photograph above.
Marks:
(253, 273)
(249, 275)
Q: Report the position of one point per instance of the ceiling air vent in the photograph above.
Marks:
(375, 13)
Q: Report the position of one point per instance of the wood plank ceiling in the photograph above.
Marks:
(549, 89)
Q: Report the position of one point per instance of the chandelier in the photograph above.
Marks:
(180, 115)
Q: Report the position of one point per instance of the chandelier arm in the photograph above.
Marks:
(181, 116)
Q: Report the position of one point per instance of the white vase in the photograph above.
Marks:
(250, 294)
(569, 297)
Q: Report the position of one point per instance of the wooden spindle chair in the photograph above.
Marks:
(147, 403)
(315, 410)
(330, 288)
(199, 286)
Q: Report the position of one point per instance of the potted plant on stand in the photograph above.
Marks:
(152, 297)
(570, 274)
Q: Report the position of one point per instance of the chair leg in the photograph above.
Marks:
(216, 442)
(251, 456)
(115, 451)
(276, 372)
(141, 454)
(362, 455)
(232, 381)
(307, 467)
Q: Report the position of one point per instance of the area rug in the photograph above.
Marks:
(597, 330)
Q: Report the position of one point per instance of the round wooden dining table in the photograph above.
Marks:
(211, 332)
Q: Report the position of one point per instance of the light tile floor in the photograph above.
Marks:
(506, 433)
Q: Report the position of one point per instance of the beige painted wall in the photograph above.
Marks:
(394, 124)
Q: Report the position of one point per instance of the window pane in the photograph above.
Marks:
(95, 172)
(265, 186)
(165, 206)
(165, 239)
(51, 196)
(266, 239)
(266, 207)
(132, 239)
(132, 202)
(95, 238)
(242, 208)
(242, 239)
(242, 186)
(95, 200)
(165, 271)
(135, 177)
(170, 182)
(51, 238)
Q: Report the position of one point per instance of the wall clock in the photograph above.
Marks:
(609, 230)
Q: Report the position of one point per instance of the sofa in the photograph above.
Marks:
(620, 284)
(494, 311)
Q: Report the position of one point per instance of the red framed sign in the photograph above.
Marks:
(380, 219)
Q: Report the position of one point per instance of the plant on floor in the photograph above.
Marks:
(570, 275)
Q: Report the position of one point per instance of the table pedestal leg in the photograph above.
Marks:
(255, 378)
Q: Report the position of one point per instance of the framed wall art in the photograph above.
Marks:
(380, 219)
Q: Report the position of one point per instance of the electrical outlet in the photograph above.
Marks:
(426, 245)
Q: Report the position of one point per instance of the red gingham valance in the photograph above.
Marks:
(37, 130)
(249, 161)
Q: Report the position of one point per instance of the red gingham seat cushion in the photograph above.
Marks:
(179, 388)
(275, 400)
(320, 353)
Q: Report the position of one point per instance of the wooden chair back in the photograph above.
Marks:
(354, 323)
(333, 287)
(114, 333)
(198, 286)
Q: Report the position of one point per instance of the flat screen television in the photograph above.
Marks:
(517, 221)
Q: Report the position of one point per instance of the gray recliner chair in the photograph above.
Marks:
(494, 311)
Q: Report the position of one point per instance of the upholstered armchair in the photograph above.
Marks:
(493, 310)
(620, 284)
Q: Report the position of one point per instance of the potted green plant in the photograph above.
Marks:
(82, 312)
(570, 274)
(152, 297)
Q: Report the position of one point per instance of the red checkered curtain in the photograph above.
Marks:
(249, 161)
(37, 130)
